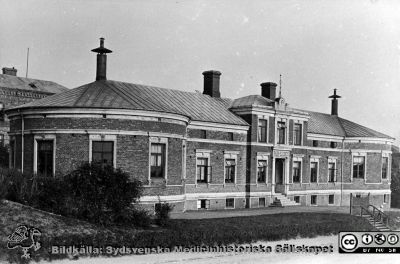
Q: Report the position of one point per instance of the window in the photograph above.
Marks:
(296, 199)
(261, 202)
(262, 171)
(203, 134)
(331, 171)
(297, 134)
(12, 154)
(230, 136)
(157, 161)
(230, 203)
(333, 144)
(203, 171)
(331, 199)
(281, 132)
(314, 171)
(203, 204)
(2, 140)
(230, 166)
(313, 199)
(103, 152)
(315, 143)
(45, 158)
(358, 167)
(262, 130)
(385, 161)
(386, 198)
(296, 171)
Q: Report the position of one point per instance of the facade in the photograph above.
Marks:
(15, 90)
(202, 151)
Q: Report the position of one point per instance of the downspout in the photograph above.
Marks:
(341, 174)
(22, 142)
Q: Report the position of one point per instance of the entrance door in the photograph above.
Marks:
(279, 174)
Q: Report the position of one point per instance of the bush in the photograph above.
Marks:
(16, 186)
(4, 156)
(94, 193)
(100, 194)
(162, 211)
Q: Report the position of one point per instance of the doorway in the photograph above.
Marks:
(279, 175)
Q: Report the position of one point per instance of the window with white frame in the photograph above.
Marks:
(297, 134)
(331, 199)
(358, 167)
(386, 198)
(313, 200)
(203, 204)
(281, 131)
(157, 160)
(262, 130)
(332, 169)
(296, 171)
(261, 202)
(230, 169)
(313, 170)
(385, 167)
(230, 203)
(262, 171)
(230, 164)
(45, 161)
(203, 168)
(103, 152)
(262, 167)
(203, 171)
(44, 156)
(102, 149)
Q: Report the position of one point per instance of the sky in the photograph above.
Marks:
(350, 45)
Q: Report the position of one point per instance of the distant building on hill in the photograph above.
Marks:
(15, 91)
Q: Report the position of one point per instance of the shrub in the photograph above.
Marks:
(4, 156)
(162, 211)
(16, 186)
(100, 194)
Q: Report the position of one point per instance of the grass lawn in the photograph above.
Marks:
(57, 230)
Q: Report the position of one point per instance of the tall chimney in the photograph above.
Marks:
(268, 90)
(10, 71)
(101, 71)
(211, 83)
(334, 108)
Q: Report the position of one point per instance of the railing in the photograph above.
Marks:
(377, 215)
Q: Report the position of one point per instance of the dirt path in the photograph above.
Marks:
(259, 211)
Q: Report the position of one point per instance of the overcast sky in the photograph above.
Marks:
(353, 46)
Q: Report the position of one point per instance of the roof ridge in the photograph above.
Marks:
(341, 125)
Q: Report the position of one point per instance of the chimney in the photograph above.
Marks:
(334, 108)
(10, 71)
(101, 71)
(268, 90)
(211, 83)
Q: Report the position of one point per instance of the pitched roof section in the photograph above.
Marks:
(326, 124)
(15, 82)
(108, 94)
(250, 101)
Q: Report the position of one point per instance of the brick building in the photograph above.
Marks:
(202, 151)
(15, 90)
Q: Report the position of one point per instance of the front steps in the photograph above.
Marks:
(378, 225)
(281, 200)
